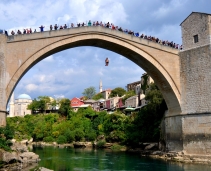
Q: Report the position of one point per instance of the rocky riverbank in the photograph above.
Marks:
(152, 150)
(18, 158)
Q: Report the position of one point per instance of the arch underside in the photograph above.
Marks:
(143, 59)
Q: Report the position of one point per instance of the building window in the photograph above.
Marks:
(195, 38)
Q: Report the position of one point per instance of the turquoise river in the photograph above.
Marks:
(70, 159)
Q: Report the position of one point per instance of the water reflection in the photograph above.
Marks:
(70, 159)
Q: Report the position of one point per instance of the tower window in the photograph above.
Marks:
(195, 38)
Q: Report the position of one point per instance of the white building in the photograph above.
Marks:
(133, 101)
(18, 107)
(110, 103)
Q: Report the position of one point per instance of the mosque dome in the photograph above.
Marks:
(24, 96)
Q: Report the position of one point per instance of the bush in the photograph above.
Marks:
(48, 139)
(100, 144)
(79, 134)
(70, 135)
(6, 133)
(116, 147)
(91, 136)
(61, 139)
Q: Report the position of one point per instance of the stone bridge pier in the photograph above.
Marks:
(190, 131)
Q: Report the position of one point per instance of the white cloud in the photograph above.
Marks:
(72, 72)
(98, 10)
(31, 87)
(49, 59)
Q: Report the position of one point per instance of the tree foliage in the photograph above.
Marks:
(64, 106)
(87, 125)
(41, 103)
(146, 123)
(128, 94)
(97, 96)
(117, 92)
(6, 134)
(89, 92)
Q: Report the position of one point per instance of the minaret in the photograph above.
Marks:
(12, 107)
(101, 86)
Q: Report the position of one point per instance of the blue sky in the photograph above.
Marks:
(68, 73)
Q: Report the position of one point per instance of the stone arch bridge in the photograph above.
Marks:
(19, 53)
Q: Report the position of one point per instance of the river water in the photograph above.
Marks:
(70, 159)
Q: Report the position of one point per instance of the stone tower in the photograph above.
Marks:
(101, 86)
(12, 106)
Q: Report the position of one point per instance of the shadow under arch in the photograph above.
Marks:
(123, 47)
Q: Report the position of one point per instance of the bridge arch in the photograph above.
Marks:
(141, 54)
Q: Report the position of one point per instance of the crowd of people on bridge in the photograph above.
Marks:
(107, 25)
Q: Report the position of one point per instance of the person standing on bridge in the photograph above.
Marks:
(55, 27)
(12, 33)
(5, 32)
(89, 23)
(41, 28)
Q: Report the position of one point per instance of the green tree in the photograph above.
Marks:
(61, 139)
(53, 103)
(117, 91)
(43, 102)
(64, 107)
(6, 134)
(97, 96)
(144, 84)
(33, 106)
(87, 112)
(114, 127)
(146, 124)
(89, 92)
(154, 97)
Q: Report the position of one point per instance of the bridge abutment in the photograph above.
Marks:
(189, 133)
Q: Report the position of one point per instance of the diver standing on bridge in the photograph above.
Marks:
(106, 62)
